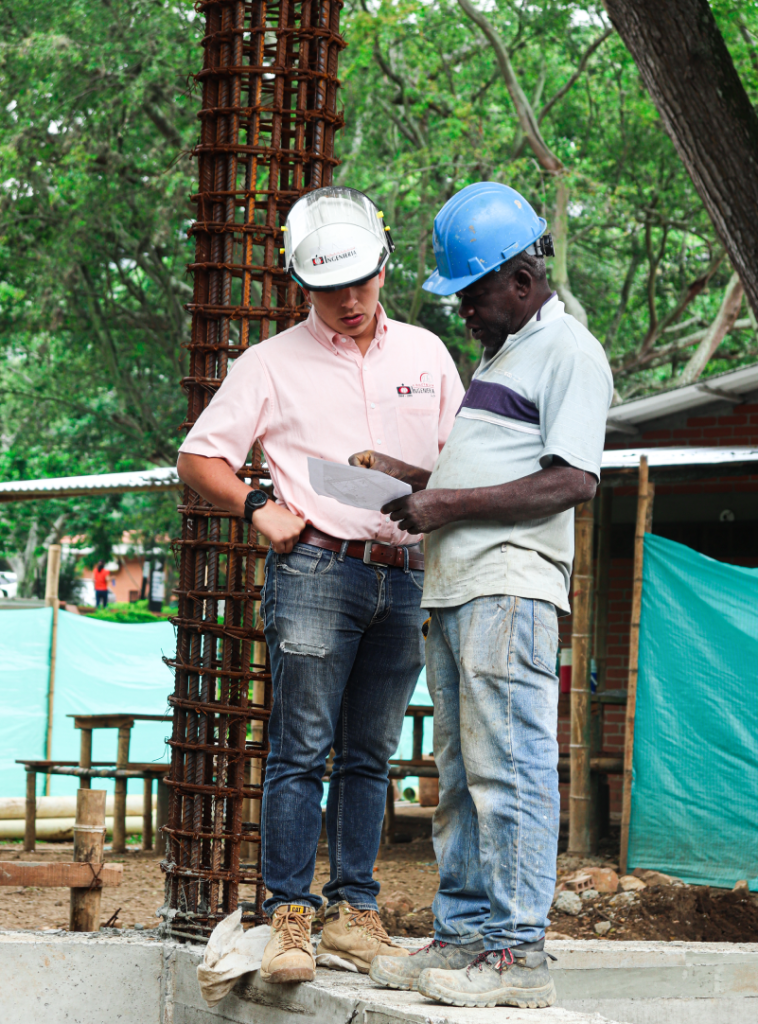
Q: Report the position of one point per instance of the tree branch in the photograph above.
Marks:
(576, 75)
(715, 334)
(545, 156)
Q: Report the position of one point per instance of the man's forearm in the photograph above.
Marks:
(417, 477)
(214, 480)
(543, 494)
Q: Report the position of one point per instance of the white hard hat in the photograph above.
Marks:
(335, 237)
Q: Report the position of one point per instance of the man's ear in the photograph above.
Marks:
(381, 276)
(523, 281)
(307, 295)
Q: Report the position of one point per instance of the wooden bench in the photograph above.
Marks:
(121, 770)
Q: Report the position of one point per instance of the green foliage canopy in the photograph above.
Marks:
(97, 121)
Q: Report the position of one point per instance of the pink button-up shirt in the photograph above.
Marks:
(308, 391)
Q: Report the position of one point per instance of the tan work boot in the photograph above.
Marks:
(356, 935)
(288, 955)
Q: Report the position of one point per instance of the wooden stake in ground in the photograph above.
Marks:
(89, 839)
(30, 826)
(52, 580)
(600, 788)
(580, 799)
(119, 796)
(645, 493)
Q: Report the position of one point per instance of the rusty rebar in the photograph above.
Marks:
(268, 118)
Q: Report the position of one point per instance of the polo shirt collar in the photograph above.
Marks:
(328, 337)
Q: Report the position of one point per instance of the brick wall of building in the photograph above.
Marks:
(697, 524)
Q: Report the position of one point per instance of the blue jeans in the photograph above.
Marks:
(491, 670)
(346, 651)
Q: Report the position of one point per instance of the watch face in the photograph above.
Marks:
(257, 499)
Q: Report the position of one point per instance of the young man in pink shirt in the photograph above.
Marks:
(342, 594)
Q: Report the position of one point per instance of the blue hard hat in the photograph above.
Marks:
(481, 227)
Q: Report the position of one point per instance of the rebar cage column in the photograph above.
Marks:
(268, 118)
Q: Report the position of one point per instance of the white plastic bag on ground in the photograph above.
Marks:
(230, 953)
(334, 963)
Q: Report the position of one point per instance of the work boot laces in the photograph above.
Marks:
(434, 945)
(294, 930)
(499, 959)
(370, 921)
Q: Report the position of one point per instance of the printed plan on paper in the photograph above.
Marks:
(353, 485)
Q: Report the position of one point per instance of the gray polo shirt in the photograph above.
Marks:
(545, 393)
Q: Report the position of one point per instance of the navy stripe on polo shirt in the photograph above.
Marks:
(490, 397)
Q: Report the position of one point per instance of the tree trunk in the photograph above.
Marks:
(559, 276)
(689, 73)
(724, 322)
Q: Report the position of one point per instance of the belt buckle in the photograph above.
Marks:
(367, 560)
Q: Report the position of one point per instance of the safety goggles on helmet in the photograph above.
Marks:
(335, 237)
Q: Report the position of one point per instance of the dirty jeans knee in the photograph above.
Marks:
(319, 613)
(491, 673)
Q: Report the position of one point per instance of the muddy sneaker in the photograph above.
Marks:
(499, 977)
(288, 955)
(404, 974)
(357, 936)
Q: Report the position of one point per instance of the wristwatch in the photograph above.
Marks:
(254, 501)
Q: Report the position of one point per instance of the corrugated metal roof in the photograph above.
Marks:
(629, 458)
(164, 479)
(730, 386)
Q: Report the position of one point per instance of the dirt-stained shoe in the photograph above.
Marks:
(404, 974)
(499, 977)
(288, 955)
(357, 936)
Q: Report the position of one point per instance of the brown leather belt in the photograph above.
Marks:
(372, 552)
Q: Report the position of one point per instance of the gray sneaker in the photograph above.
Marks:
(500, 977)
(403, 972)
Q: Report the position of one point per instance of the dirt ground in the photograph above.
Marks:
(408, 875)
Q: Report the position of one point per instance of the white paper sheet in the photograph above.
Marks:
(354, 485)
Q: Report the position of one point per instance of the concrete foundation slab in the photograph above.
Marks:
(48, 978)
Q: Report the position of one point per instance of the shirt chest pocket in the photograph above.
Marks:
(418, 428)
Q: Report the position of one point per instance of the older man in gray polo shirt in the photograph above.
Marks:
(497, 512)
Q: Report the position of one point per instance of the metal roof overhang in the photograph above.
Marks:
(164, 479)
(729, 387)
(672, 464)
(618, 466)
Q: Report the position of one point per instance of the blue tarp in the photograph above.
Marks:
(101, 667)
(695, 786)
(108, 667)
(25, 656)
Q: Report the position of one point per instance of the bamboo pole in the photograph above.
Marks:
(147, 814)
(601, 794)
(30, 824)
(52, 581)
(119, 798)
(645, 494)
(89, 839)
(85, 756)
(580, 799)
(161, 817)
(602, 584)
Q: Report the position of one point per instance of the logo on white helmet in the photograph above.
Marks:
(343, 256)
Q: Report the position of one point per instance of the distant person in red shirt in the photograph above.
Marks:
(100, 576)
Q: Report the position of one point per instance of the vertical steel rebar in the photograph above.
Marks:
(268, 118)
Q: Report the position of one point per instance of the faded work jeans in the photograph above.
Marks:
(490, 665)
(346, 652)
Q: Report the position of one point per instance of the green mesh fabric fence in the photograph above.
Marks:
(695, 788)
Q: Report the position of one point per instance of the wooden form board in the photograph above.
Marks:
(61, 873)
